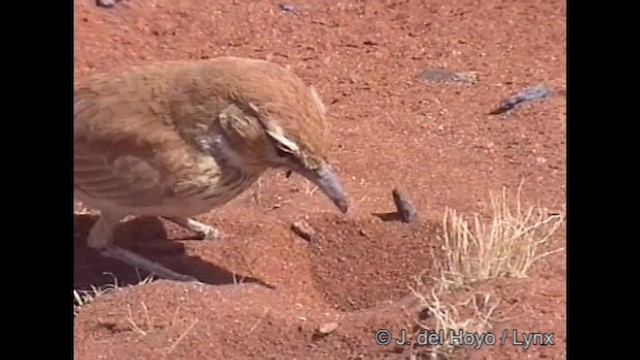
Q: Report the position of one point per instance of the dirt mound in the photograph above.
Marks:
(363, 263)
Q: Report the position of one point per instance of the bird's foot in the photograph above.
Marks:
(207, 232)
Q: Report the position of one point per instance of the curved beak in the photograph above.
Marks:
(330, 184)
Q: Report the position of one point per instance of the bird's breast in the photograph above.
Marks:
(228, 186)
(209, 183)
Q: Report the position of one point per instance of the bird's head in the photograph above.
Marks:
(302, 148)
(280, 122)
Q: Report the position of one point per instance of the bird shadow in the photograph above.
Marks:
(146, 236)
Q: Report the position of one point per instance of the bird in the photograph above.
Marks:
(175, 139)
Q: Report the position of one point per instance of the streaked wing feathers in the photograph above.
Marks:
(121, 154)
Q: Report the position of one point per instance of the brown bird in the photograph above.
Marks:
(178, 139)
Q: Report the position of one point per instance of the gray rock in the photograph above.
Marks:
(534, 93)
(441, 75)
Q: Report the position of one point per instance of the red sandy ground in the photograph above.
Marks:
(435, 141)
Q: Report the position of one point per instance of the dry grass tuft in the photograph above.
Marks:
(505, 246)
(474, 315)
(84, 297)
(135, 327)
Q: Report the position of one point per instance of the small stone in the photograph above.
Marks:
(407, 211)
(288, 8)
(534, 93)
(441, 75)
(106, 3)
(327, 328)
(303, 229)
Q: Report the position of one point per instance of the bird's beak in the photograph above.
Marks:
(328, 182)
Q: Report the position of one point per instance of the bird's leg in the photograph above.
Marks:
(206, 231)
(101, 239)
(140, 262)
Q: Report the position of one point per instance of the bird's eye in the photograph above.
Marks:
(282, 152)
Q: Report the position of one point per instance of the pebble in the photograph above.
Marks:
(106, 3)
(534, 93)
(303, 229)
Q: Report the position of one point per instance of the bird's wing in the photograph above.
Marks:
(127, 180)
(128, 157)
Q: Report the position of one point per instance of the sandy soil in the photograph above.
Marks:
(268, 291)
